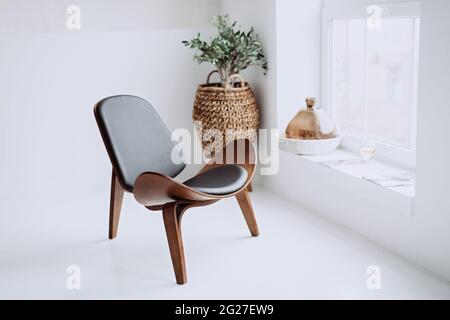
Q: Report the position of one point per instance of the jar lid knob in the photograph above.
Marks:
(310, 102)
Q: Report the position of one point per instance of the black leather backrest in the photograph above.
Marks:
(136, 138)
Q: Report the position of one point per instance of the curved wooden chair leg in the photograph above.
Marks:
(115, 206)
(172, 214)
(247, 210)
(250, 187)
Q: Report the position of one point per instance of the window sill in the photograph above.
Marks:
(345, 171)
(351, 164)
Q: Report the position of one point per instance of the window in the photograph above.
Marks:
(370, 76)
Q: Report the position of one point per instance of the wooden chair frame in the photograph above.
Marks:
(158, 192)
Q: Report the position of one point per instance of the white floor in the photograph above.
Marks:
(298, 256)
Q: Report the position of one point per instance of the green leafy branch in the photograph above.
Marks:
(231, 50)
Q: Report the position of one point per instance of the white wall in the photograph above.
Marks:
(50, 78)
(48, 16)
(298, 56)
(431, 240)
(298, 76)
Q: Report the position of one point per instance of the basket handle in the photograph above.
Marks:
(229, 80)
(210, 74)
(235, 76)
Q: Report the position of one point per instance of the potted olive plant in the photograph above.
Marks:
(231, 50)
(228, 106)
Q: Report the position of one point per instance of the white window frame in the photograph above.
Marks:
(350, 142)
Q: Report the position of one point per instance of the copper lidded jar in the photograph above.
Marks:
(311, 124)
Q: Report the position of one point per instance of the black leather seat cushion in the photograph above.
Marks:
(219, 181)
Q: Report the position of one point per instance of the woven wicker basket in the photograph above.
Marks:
(232, 111)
